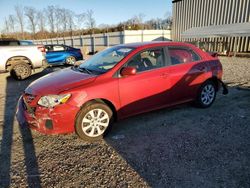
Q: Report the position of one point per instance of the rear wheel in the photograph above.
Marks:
(206, 95)
(70, 60)
(20, 71)
(94, 121)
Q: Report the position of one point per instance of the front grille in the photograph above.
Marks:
(28, 108)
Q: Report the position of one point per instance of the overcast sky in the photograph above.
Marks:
(105, 11)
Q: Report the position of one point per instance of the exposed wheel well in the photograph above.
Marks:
(214, 79)
(17, 59)
(108, 103)
(70, 55)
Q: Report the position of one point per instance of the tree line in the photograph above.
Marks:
(54, 21)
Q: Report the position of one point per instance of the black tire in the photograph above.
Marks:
(70, 60)
(20, 71)
(206, 94)
(84, 115)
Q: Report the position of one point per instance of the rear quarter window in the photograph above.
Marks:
(179, 55)
(69, 48)
(48, 48)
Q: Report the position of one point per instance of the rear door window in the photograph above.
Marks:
(180, 55)
(58, 48)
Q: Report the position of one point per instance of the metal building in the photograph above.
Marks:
(188, 14)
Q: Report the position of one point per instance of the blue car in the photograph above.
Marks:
(26, 42)
(59, 54)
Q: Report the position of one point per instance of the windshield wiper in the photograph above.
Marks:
(81, 69)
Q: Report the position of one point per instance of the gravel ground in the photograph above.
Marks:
(177, 147)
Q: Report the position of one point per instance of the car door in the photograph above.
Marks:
(149, 88)
(186, 73)
(55, 54)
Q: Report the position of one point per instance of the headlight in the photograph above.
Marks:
(53, 100)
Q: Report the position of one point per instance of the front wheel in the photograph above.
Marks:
(94, 121)
(206, 95)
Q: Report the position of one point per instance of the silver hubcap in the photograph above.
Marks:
(22, 70)
(95, 122)
(71, 60)
(208, 94)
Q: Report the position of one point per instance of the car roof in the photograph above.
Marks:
(54, 45)
(154, 43)
(144, 44)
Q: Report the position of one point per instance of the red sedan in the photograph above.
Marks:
(118, 82)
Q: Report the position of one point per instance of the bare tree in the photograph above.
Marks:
(80, 21)
(6, 26)
(137, 20)
(11, 23)
(65, 22)
(70, 21)
(105, 27)
(41, 21)
(50, 11)
(20, 18)
(90, 20)
(63, 16)
(58, 21)
(31, 13)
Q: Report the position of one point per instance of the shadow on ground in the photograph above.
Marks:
(189, 147)
(13, 93)
(177, 147)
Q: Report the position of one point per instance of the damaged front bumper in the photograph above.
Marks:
(57, 120)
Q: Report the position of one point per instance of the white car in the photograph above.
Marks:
(21, 60)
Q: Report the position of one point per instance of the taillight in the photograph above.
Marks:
(42, 49)
(79, 51)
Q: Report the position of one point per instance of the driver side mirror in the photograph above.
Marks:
(128, 71)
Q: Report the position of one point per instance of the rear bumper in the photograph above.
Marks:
(47, 121)
(45, 63)
(223, 86)
(42, 63)
(80, 57)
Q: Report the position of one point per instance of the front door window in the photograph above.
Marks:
(148, 60)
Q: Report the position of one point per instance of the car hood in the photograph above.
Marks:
(59, 81)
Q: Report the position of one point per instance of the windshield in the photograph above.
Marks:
(106, 60)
